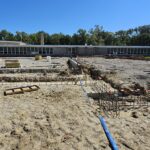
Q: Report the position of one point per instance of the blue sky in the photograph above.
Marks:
(67, 16)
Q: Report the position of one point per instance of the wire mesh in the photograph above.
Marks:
(112, 103)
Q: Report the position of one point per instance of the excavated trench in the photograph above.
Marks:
(112, 95)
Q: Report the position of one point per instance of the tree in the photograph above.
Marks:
(96, 36)
(109, 38)
(80, 38)
(5, 35)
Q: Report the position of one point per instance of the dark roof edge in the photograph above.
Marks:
(72, 46)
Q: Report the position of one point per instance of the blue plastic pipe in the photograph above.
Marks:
(108, 134)
(103, 123)
(81, 83)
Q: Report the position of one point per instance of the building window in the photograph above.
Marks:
(1, 50)
(9, 50)
(132, 51)
(40, 50)
(32, 49)
(18, 50)
(25, 50)
(147, 50)
(51, 51)
(138, 51)
(28, 50)
(46, 50)
(110, 51)
(68, 51)
(21, 50)
(142, 51)
(5, 52)
(36, 50)
(73, 51)
(125, 51)
(12, 50)
(135, 51)
(121, 51)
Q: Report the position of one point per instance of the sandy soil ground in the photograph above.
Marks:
(29, 62)
(54, 118)
(127, 70)
(132, 129)
(58, 117)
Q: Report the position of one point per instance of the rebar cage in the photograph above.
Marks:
(111, 104)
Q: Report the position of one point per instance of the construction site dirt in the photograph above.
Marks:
(63, 113)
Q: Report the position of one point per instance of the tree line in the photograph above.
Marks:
(95, 36)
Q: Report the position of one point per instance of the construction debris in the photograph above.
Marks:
(43, 78)
(74, 66)
(21, 90)
(38, 57)
(12, 64)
